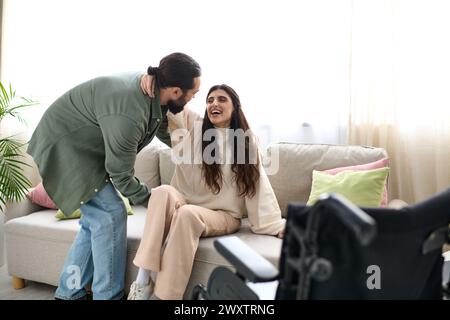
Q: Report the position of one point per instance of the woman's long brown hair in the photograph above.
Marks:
(246, 175)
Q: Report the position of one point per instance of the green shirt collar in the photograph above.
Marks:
(156, 106)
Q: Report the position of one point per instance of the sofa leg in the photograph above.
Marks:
(18, 283)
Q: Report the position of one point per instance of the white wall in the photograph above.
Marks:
(288, 59)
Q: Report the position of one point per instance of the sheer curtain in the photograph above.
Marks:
(400, 97)
(287, 59)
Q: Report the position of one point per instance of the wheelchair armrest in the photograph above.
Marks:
(248, 263)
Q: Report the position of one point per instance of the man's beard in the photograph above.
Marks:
(176, 106)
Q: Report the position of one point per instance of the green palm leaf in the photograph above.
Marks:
(13, 182)
(11, 105)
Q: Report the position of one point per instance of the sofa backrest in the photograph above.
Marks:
(289, 165)
(292, 181)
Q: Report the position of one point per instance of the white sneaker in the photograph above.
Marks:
(140, 292)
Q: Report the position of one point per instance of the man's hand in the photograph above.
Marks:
(281, 233)
(148, 85)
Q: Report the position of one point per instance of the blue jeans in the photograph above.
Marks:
(98, 254)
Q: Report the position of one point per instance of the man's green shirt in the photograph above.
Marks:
(91, 135)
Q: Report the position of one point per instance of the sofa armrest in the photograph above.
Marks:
(248, 263)
(21, 208)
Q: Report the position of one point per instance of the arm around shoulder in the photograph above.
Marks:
(185, 119)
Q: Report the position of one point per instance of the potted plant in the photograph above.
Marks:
(13, 182)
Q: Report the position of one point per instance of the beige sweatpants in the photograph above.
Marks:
(170, 218)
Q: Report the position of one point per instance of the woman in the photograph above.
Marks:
(205, 198)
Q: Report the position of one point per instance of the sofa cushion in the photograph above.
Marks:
(77, 213)
(267, 246)
(363, 188)
(367, 166)
(43, 226)
(39, 196)
(293, 177)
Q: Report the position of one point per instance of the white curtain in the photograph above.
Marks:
(400, 97)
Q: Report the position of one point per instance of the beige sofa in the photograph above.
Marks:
(37, 243)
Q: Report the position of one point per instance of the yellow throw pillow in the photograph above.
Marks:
(77, 213)
(364, 188)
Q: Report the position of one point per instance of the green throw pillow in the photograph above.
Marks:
(77, 213)
(364, 188)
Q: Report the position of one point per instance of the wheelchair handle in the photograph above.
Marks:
(359, 222)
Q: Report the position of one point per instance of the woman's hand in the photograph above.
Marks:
(148, 85)
(281, 233)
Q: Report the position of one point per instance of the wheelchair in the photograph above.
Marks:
(336, 250)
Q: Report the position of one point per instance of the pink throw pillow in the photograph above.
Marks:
(367, 166)
(39, 196)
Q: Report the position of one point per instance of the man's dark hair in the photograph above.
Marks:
(176, 70)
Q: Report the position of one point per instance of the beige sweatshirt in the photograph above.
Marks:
(262, 209)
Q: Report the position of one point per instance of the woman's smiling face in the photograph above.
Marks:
(220, 108)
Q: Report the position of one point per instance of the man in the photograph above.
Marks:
(85, 147)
